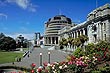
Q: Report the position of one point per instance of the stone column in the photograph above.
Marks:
(51, 40)
(45, 40)
(101, 31)
(83, 31)
(77, 34)
(98, 33)
(74, 34)
(71, 34)
(55, 40)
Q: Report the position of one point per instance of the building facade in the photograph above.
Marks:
(96, 27)
(52, 27)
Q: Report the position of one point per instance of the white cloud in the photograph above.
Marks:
(3, 15)
(24, 4)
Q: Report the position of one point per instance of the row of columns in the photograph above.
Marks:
(77, 33)
(99, 34)
(51, 40)
(101, 31)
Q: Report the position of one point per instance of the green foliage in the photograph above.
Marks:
(95, 71)
(90, 49)
(103, 44)
(83, 38)
(7, 43)
(78, 52)
(77, 42)
(72, 67)
(63, 43)
(70, 39)
(104, 69)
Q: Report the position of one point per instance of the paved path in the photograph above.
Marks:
(55, 56)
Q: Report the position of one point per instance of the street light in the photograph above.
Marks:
(41, 59)
(49, 57)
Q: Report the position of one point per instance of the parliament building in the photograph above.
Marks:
(96, 27)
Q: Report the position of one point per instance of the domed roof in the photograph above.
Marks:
(60, 18)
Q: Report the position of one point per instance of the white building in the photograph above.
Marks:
(96, 27)
(52, 28)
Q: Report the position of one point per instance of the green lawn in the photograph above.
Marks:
(25, 49)
(6, 57)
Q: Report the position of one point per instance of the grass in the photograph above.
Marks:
(25, 49)
(7, 57)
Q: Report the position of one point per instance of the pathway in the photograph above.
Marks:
(55, 56)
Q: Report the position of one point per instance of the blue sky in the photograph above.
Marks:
(28, 16)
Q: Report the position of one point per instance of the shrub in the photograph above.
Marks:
(78, 52)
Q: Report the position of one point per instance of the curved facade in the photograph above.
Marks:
(52, 27)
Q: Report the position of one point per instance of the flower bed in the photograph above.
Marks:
(75, 65)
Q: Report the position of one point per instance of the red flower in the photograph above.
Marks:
(104, 53)
(98, 49)
(46, 71)
(70, 62)
(106, 49)
(103, 49)
(39, 69)
(73, 58)
(32, 71)
(63, 62)
(33, 64)
(99, 59)
(45, 64)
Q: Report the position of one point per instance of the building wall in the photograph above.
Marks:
(52, 27)
(96, 27)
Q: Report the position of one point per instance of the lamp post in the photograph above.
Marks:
(49, 57)
(40, 59)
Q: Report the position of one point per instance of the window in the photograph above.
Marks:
(57, 18)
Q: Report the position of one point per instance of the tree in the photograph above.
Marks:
(7, 43)
(77, 42)
(83, 39)
(1, 35)
(63, 42)
(70, 39)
